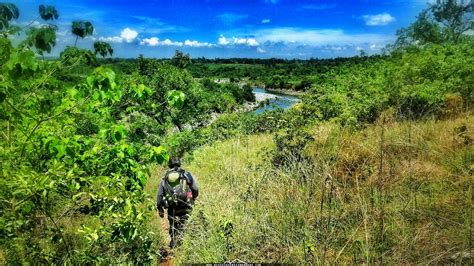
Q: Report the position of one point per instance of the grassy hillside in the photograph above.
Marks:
(394, 192)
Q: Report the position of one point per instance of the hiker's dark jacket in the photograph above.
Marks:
(160, 204)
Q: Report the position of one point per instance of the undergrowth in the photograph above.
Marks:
(394, 192)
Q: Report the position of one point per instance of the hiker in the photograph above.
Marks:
(177, 192)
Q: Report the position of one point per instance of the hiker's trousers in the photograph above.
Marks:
(177, 220)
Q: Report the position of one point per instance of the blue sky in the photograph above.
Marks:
(233, 28)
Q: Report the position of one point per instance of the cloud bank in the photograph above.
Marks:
(127, 35)
(378, 20)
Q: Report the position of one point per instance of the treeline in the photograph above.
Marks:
(275, 61)
(274, 73)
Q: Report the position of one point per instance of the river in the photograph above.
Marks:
(276, 100)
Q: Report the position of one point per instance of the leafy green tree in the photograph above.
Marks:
(443, 21)
(43, 38)
(48, 12)
(82, 29)
(248, 94)
(73, 55)
(103, 48)
(8, 12)
(455, 15)
(180, 59)
(424, 30)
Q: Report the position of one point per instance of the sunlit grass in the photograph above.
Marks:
(403, 197)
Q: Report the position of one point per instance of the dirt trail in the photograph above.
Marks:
(168, 259)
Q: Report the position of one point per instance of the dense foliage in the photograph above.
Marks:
(416, 83)
(444, 21)
(71, 179)
(77, 142)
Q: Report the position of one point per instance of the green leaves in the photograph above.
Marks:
(159, 154)
(176, 99)
(180, 59)
(21, 64)
(43, 39)
(82, 28)
(72, 55)
(102, 82)
(140, 90)
(67, 150)
(5, 49)
(48, 12)
(118, 132)
(8, 12)
(102, 78)
(59, 148)
(103, 49)
(89, 233)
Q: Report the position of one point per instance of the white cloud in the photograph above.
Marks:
(260, 50)
(379, 19)
(337, 48)
(376, 47)
(63, 33)
(316, 37)
(155, 41)
(127, 35)
(238, 41)
(252, 42)
(168, 42)
(115, 39)
(223, 40)
(265, 21)
(197, 44)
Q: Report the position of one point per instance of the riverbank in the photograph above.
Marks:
(286, 92)
(268, 100)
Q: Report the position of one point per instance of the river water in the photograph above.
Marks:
(277, 100)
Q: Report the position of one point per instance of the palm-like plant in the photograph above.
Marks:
(43, 38)
(8, 12)
(48, 12)
(82, 29)
(103, 49)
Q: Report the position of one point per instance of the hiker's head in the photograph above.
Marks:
(174, 162)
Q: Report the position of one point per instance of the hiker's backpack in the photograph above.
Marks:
(176, 189)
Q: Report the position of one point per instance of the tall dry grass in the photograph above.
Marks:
(393, 193)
